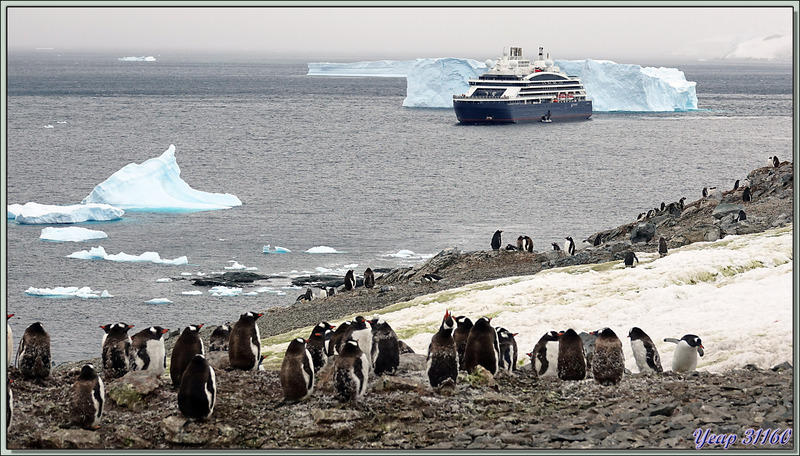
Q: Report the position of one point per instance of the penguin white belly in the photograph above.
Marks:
(362, 385)
(364, 338)
(308, 377)
(552, 360)
(640, 355)
(211, 390)
(256, 349)
(158, 356)
(98, 405)
(685, 358)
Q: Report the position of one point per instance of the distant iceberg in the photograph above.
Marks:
(158, 301)
(266, 249)
(221, 291)
(99, 253)
(67, 292)
(71, 234)
(773, 47)
(155, 185)
(35, 213)
(322, 249)
(378, 68)
(431, 83)
(137, 59)
(239, 267)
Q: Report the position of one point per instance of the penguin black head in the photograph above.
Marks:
(250, 315)
(605, 332)
(555, 246)
(116, 327)
(693, 341)
(447, 322)
(157, 331)
(462, 320)
(322, 327)
(636, 333)
(87, 372)
(193, 328)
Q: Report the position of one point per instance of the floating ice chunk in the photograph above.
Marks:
(149, 58)
(237, 266)
(192, 293)
(277, 249)
(220, 291)
(48, 126)
(402, 254)
(71, 234)
(322, 249)
(156, 185)
(99, 253)
(67, 292)
(158, 301)
(351, 266)
(186, 273)
(35, 213)
(250, 293)
(165, 279)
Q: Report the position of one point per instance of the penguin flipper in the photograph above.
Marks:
(672, 339)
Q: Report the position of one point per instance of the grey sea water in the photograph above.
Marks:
(331, 161)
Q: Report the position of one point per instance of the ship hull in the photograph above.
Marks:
(498, 112)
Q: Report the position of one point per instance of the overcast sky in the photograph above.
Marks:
(622, 34)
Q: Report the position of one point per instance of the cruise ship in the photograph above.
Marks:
(517, 90)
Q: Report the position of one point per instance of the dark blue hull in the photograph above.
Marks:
(491, 112)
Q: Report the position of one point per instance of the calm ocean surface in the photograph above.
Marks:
(331, 161)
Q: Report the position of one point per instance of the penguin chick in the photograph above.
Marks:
(297, 372)
(442, 359)
(644, 351)
(197, 394)
(350, 372)
(608, 362)
(88, 398)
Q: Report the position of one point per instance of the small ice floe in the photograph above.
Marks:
(62, 121)
(239, 267)
(164, 280)
(192, 293)
(270, 290)
(402, 254)
(268, 249)
(220, 291)
(99, 253)
(148, 58)
(34, 213)
(350, 266)
(322, 249)
(48, 126)
(71, 234)
(67, 292)
(186, 273)
(250, 293)
(158, 301)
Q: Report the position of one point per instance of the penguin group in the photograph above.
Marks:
(349, 283)
(525, 244)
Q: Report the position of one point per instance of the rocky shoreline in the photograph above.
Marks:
(516, 411)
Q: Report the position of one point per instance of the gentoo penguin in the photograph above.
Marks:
(736, 184)
(685, 357)
(497, 240)
(349, 280)
(432, 277)
(297, 372)
(244, 345)
(307, 296)
(361, 332)
(464, 325)
(705, 192)
(442, 359)
(385, 350)
(544, 356)
(644, 351)
(350, 372)
(663, 206)
(482, 347)
(116, 350)
(33, 355)
(597, 240)
(662, 247)
(508, 349)
(218, 341)
(651, 213)
(775, 162)
(569, 246)
(317, 344)
(511, 247)
(9, 404)
(740, 217)
(331, 291)
(369, 278)
(147, 350)
(746, 196)
(556, 247)
(9, 341)
(528, 244)
(338, 338)
(629, 257)
(682, 202)
(571, 358)
(198, 392)
(88, 397)
(608, 362)
(186, 347)
(520, 243)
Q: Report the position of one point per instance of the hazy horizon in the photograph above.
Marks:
(622, 34)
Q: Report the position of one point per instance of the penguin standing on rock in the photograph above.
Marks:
(361, 332)
(297, 372)
(497, 240)
(608, 363)
(218, 341)
(705, 192)
(736, 184)
(644, 351)
(198, 391)
(317, 344)
(88, 397)
(460, 337)
(33, 355)
(746, 195)
(349, 280)
(740, 217)
(385, 350)
(571, 358)
(556, 247)
(116, 350)
(685, 357)
(544, 356)
(442, 360)
(186, 347)
(629, 257)
(244, 345)
(508, 349)
(482, 347)
(775, 162)
(569, 246)
(338, 338)
(369, 278)
(527, 244)
(350, 372)
(662, 247)
(148, 352)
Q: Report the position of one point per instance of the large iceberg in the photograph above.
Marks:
(99, 253)
(156, 185)
(67, 292)
(35, 213)
(431, 83)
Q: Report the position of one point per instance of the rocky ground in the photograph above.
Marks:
(510, 411)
